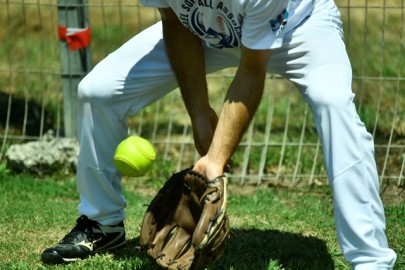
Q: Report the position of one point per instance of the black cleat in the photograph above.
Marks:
(86, 238)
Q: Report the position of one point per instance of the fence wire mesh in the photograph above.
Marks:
(281, 146)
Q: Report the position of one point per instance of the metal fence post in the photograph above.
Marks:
(75, 62)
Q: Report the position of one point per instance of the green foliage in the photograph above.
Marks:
(4, 171)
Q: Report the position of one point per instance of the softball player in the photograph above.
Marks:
(302, 40)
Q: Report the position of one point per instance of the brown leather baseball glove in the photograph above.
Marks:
(186, 225)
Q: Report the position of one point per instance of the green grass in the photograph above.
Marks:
(272, 228)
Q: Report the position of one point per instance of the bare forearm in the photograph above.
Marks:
(242, 100)
(186, 57)
(240, 105)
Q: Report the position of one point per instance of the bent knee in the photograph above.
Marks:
(330, 86)
(96, 87)
(337, 98)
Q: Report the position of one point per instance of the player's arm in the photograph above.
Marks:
(186, 56)
(242, 100)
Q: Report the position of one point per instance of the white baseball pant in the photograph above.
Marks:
(314, 58)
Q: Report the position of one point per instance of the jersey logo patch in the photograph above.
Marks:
(224, 36)
(279, 23)
(212, 21)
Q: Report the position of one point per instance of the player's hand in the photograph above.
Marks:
(204, 125)
(211, 168)
(208, 168)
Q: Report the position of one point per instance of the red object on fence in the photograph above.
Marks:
(78, 39)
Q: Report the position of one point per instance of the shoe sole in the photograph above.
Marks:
(52, 258)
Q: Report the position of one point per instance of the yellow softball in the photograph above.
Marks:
(134, 156)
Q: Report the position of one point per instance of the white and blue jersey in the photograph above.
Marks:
(256, 24)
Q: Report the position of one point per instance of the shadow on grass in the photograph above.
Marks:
(261, 249)
(258, 249)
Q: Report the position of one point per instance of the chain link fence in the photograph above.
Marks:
(281, 146)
